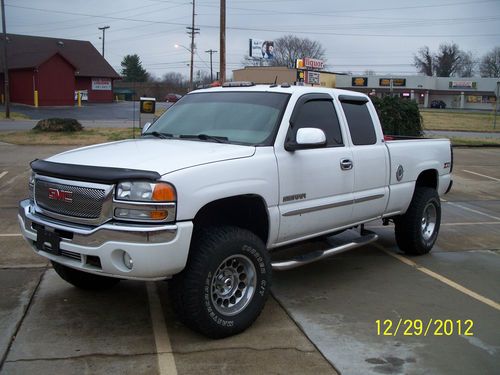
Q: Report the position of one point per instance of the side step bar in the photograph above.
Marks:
(314, 256)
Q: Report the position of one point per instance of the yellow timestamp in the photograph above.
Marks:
(419, 327)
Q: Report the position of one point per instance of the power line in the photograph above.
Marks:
(275, 30)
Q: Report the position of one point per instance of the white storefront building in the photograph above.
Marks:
(456, 92)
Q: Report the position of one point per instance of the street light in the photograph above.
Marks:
(103, 36)
(191, 51)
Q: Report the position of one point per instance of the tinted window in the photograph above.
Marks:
(249, 118)
(320, 114)
(360, 123)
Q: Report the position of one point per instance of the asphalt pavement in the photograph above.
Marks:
(322, 318)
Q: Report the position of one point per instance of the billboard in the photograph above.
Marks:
(261, 49)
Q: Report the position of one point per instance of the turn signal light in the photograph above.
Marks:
(158, 215)
(164, 193)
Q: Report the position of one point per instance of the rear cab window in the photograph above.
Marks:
(359, 120)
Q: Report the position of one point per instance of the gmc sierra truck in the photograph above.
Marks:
(220, 182)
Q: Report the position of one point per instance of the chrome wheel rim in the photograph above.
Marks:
(429, 220)
(233, 285)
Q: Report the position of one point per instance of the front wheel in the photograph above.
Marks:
(417, 230)
(225, 284)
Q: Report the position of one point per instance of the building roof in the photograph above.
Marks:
(25, 51)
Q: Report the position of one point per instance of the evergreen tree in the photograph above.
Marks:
(132, 70)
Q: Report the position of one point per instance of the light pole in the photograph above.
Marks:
(191, 65)
(103, 36)
(211, 52)
(5, 64)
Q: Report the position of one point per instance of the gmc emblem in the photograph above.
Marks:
(60, 195)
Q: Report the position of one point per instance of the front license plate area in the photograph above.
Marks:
(48, 241)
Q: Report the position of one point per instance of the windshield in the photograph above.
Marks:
(249, 118)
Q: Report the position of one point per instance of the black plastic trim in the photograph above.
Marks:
(88, 173)
(353, 99)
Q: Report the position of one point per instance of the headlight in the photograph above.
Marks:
(145, 201)
(145, 191)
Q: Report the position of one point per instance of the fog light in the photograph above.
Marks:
(127, 260)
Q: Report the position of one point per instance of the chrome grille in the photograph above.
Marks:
(86, 202)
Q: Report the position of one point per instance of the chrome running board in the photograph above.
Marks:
(303, 259)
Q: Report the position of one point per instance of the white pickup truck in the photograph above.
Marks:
(219, 182)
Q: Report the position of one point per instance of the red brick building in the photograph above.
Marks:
(56, 69)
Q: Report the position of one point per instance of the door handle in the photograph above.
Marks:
(345, 164)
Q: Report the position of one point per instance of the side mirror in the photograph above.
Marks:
(146, 126)
(307, 138)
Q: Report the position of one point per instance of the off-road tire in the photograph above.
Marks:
(84, 280)
(410, 227)
(194, 291)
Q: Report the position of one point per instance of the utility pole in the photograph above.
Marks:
(192, 32)
(211, 52)
(103, 37)
(5, 65)
(222, 41)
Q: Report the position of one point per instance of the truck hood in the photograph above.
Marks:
(158, 155)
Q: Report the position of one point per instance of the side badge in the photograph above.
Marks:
(400, 173)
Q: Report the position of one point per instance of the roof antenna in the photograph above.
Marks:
(275, 80)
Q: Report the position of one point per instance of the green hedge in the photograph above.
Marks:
(399, 116)
(58, 125)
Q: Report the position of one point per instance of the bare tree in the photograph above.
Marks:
(289, 48)
(448, 60)
(424, 61)
(174, 79)
(468, 64)
(490, 63)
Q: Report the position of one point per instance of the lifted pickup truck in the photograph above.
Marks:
(222, 179)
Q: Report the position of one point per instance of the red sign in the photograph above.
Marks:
(313, 63)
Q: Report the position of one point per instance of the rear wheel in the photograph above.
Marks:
(225, 284)
(417, 230)
(84, 280)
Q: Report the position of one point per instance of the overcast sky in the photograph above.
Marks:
(358, 35)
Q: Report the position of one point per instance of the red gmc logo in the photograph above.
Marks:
(60, 195)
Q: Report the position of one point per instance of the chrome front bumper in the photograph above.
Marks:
(158, 251)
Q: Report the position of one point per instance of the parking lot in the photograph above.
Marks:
(321, 318)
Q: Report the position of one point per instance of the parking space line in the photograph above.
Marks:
(3, 174)
(482, 175)
(441, 278)
(166, 360)
(472, 210)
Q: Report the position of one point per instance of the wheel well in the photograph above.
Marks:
(244, 211)
(428, 178)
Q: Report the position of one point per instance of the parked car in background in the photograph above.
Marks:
(438, 104)
(172, 98)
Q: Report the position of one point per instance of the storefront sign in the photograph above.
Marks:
(484, 99)
(359, 81)
(312, 78)
(313, 63)
(101, 84)
(396, 82)
(463, 85)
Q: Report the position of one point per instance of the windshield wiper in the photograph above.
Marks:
(160, 135)
(205, 137)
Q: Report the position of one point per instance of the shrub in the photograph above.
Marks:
(399, 116)
(58, 125)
